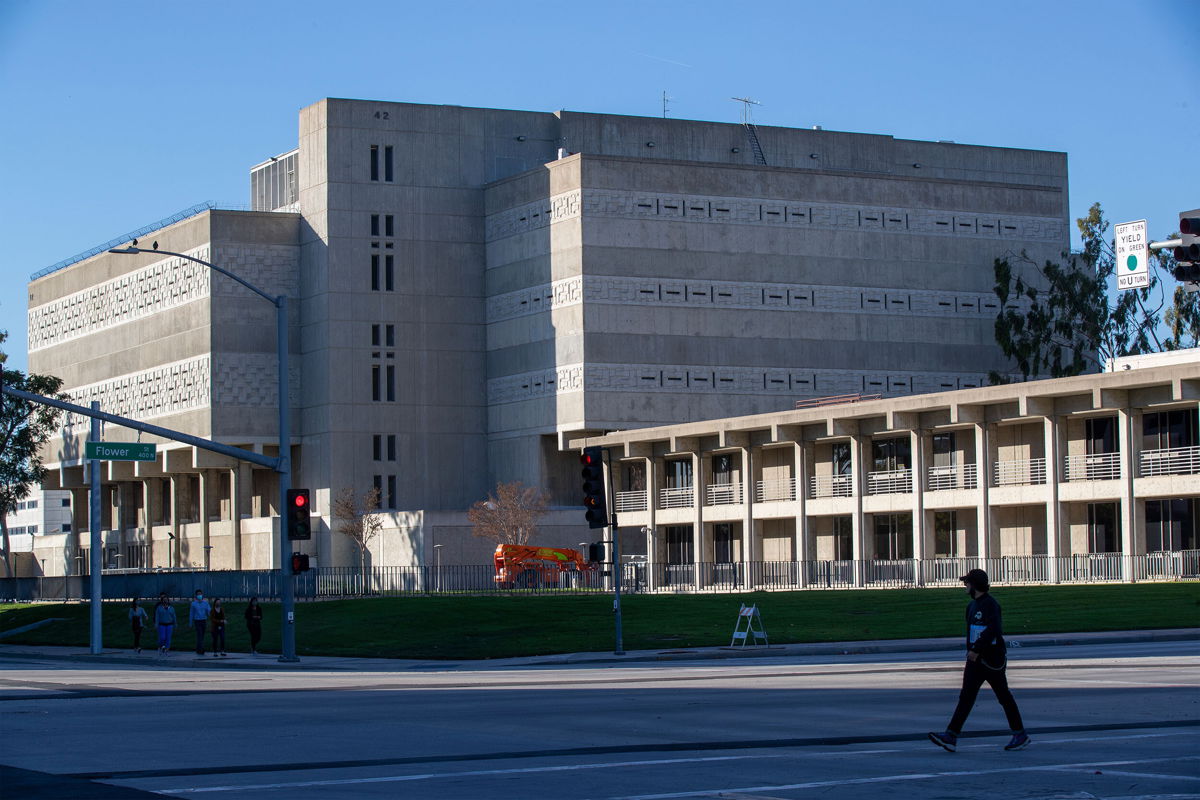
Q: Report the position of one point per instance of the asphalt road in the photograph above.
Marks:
(1108, 721)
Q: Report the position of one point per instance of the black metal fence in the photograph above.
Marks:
(334, 582)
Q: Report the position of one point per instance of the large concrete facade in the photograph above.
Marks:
(473, 288)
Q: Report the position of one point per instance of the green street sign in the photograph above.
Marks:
(120, 451)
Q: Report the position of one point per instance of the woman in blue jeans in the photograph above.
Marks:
(164, 619)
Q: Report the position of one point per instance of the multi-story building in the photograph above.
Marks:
(1095, 477)
(41, 514)
(473, 288)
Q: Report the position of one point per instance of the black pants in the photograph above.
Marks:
(200, 626)
(137, 636)
(974, 676)
(218, 634)
(255, 629)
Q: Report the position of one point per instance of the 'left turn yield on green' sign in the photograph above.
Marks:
(120, 451)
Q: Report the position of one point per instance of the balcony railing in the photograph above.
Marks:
(1171, 461)
(631, 501)
(896, 481)
(955, 476)
(636, 577)
(682, 497)
(724, 494)
(1026, 472)
(1099, 467)
(768, 491)
(830, 486)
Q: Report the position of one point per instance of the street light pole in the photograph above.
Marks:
(284, 463)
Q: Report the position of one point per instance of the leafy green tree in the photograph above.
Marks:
(24, 428)
(1060, 319)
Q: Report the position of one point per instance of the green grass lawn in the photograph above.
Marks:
(501, 627)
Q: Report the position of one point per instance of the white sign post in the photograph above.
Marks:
(1133, 255)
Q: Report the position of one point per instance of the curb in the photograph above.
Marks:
(363, 664)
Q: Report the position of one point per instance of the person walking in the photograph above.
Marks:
(137, 622)
(198, 618)
(987, 660)
(254, 624)
(164, 620)
(217, 618)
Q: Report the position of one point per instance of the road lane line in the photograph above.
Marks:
(472, 773)
(901, 777)
(1159, 775)
(570, 767)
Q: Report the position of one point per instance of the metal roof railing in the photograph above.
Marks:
(199, 208)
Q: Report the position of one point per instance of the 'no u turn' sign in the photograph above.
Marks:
(1133, 255)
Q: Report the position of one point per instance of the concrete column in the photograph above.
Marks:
(983, 512)
(1128, 458)
(652, 557)
(919, 524)
(239, 504)
(751, 540)
(1054, 515)
(176, 556)
(79, 523)
(858, 477)
(205, 479)
(801, 466)
(698, 488)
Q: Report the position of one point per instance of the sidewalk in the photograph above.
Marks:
(189, 660)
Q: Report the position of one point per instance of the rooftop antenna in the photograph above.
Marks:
(665, 99)
(747, 114)
(751, 131)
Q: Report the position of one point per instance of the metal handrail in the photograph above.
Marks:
(1020, 472)
(896, 481)
(954, 476)
(682, 497)
(1170, 461)
(830, 486)
(1096, 467)
(724, 494)
(631, 501)
(781, 489)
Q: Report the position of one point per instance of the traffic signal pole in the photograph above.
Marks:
(616, 555)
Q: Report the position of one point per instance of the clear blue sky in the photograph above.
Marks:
(119, 113)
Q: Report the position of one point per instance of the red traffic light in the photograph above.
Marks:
(300, 500)
(590, 459)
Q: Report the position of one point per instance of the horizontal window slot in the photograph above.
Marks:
(640, 205)
(1010, 227)
(873, 300)
(673, 208)
(942, 223)
(776, 380)
(674, 379)
(699, 294)
(697, 208)
(895, 219)
(773, 213)
(724, 294)
(726, 380)
(775, 296)
(672, 291)
(647, 291)
(653, 378)
(944, 303)
(874, 383)
(949, 385)
(722, 210)
(800, 381)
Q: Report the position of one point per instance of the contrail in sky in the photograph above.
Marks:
(667, 60)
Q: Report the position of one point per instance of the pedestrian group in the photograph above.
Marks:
(204, 618)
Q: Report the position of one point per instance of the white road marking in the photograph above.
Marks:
(1159, 775)
(654, 762)
(901, 777)
(473, 773)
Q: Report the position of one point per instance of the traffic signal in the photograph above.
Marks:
(596, 553)
(299, 563)
(1187, 254)
(594, 499)
(297, 516)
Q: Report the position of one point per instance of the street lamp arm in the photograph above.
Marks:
(222, 270)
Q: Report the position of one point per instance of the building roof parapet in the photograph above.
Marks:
(964, 406)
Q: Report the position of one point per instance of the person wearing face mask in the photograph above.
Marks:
(198, 617)
(986, 662)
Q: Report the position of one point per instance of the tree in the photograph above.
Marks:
(355, 518)
(24, 427)
(509, 516)
(1058, 319)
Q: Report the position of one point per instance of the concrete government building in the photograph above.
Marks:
(473, 290)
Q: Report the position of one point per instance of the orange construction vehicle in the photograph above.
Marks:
(524, 566)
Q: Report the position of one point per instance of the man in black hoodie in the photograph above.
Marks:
(986, 661)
